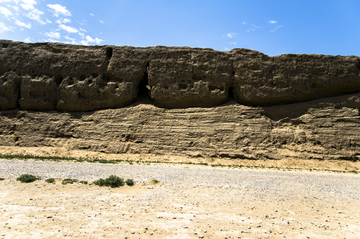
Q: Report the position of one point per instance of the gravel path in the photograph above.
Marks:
(263, 182)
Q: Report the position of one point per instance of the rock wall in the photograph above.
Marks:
(179, 100)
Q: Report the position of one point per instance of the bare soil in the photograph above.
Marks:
(288, 163)
(267, 203)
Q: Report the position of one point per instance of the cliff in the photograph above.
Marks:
(180, 100)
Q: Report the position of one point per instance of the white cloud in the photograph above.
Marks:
(226, 48)
(53, 35)
(91, 14)
(28, 39)
(52, 40)
(81, 29)
(68, 28)
(90, 39)
(4, 28)
(35, 15)
(102, 22)
(16, 8)
(81, 34)
(96, 40)
(69, 38)
(48, 21)
(22, 24)
(64, 20)
(58, 10)
(243, 22)
(272, 22)
(231, 35)
(233, 43)
(5, 11)
(72, 40)
(28, 4)
(276, 28)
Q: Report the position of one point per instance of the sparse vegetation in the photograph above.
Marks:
(83, 182)
(154, 181)
(112, 181)
(1, 179)
(130, 182)
(68, 181)
(143, 162)
(50, 180)
(27, 178)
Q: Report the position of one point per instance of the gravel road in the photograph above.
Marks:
(265, 182)
(310, 199)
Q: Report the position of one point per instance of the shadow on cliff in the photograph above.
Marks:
(296, 110)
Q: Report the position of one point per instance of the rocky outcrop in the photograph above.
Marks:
(50, 76)
(179, 100)
(185, 77)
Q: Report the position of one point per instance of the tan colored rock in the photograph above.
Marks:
(186, 77)
(290, 78)
(9, 90)
(288, 106)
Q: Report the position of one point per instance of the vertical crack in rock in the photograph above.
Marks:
(58, 79)
(144, 87)
(231, 94)
(109, 52)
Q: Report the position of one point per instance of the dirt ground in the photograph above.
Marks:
(289, 163)
(44, 210)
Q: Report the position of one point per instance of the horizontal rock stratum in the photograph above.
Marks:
(180, 100)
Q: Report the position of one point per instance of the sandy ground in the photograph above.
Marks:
(189, 202)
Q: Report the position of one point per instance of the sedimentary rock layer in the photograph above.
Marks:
(179, 100)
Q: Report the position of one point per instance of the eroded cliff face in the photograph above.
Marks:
(180, 100)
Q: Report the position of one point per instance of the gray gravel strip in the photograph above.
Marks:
(261, 182)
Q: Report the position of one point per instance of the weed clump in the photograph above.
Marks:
(83, 182)
(1, 179)
(68, 181)
(112, 181)
(27, 178)
(154, 181)
(50, 180)
(130, 182)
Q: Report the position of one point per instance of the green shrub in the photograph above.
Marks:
(112, 181)
(68, 181)
(27, 178)
(50, 180)
(154, 181)
(130, 182)
(1, 179)
(83, 182)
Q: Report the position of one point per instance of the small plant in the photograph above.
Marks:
(68, 181)
(27, 178)
(50, 180)
(129, 182)
(154, 181)
(112, 181)
(83, 182)
(1, 179)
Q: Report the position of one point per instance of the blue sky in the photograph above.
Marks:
(273, 27)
